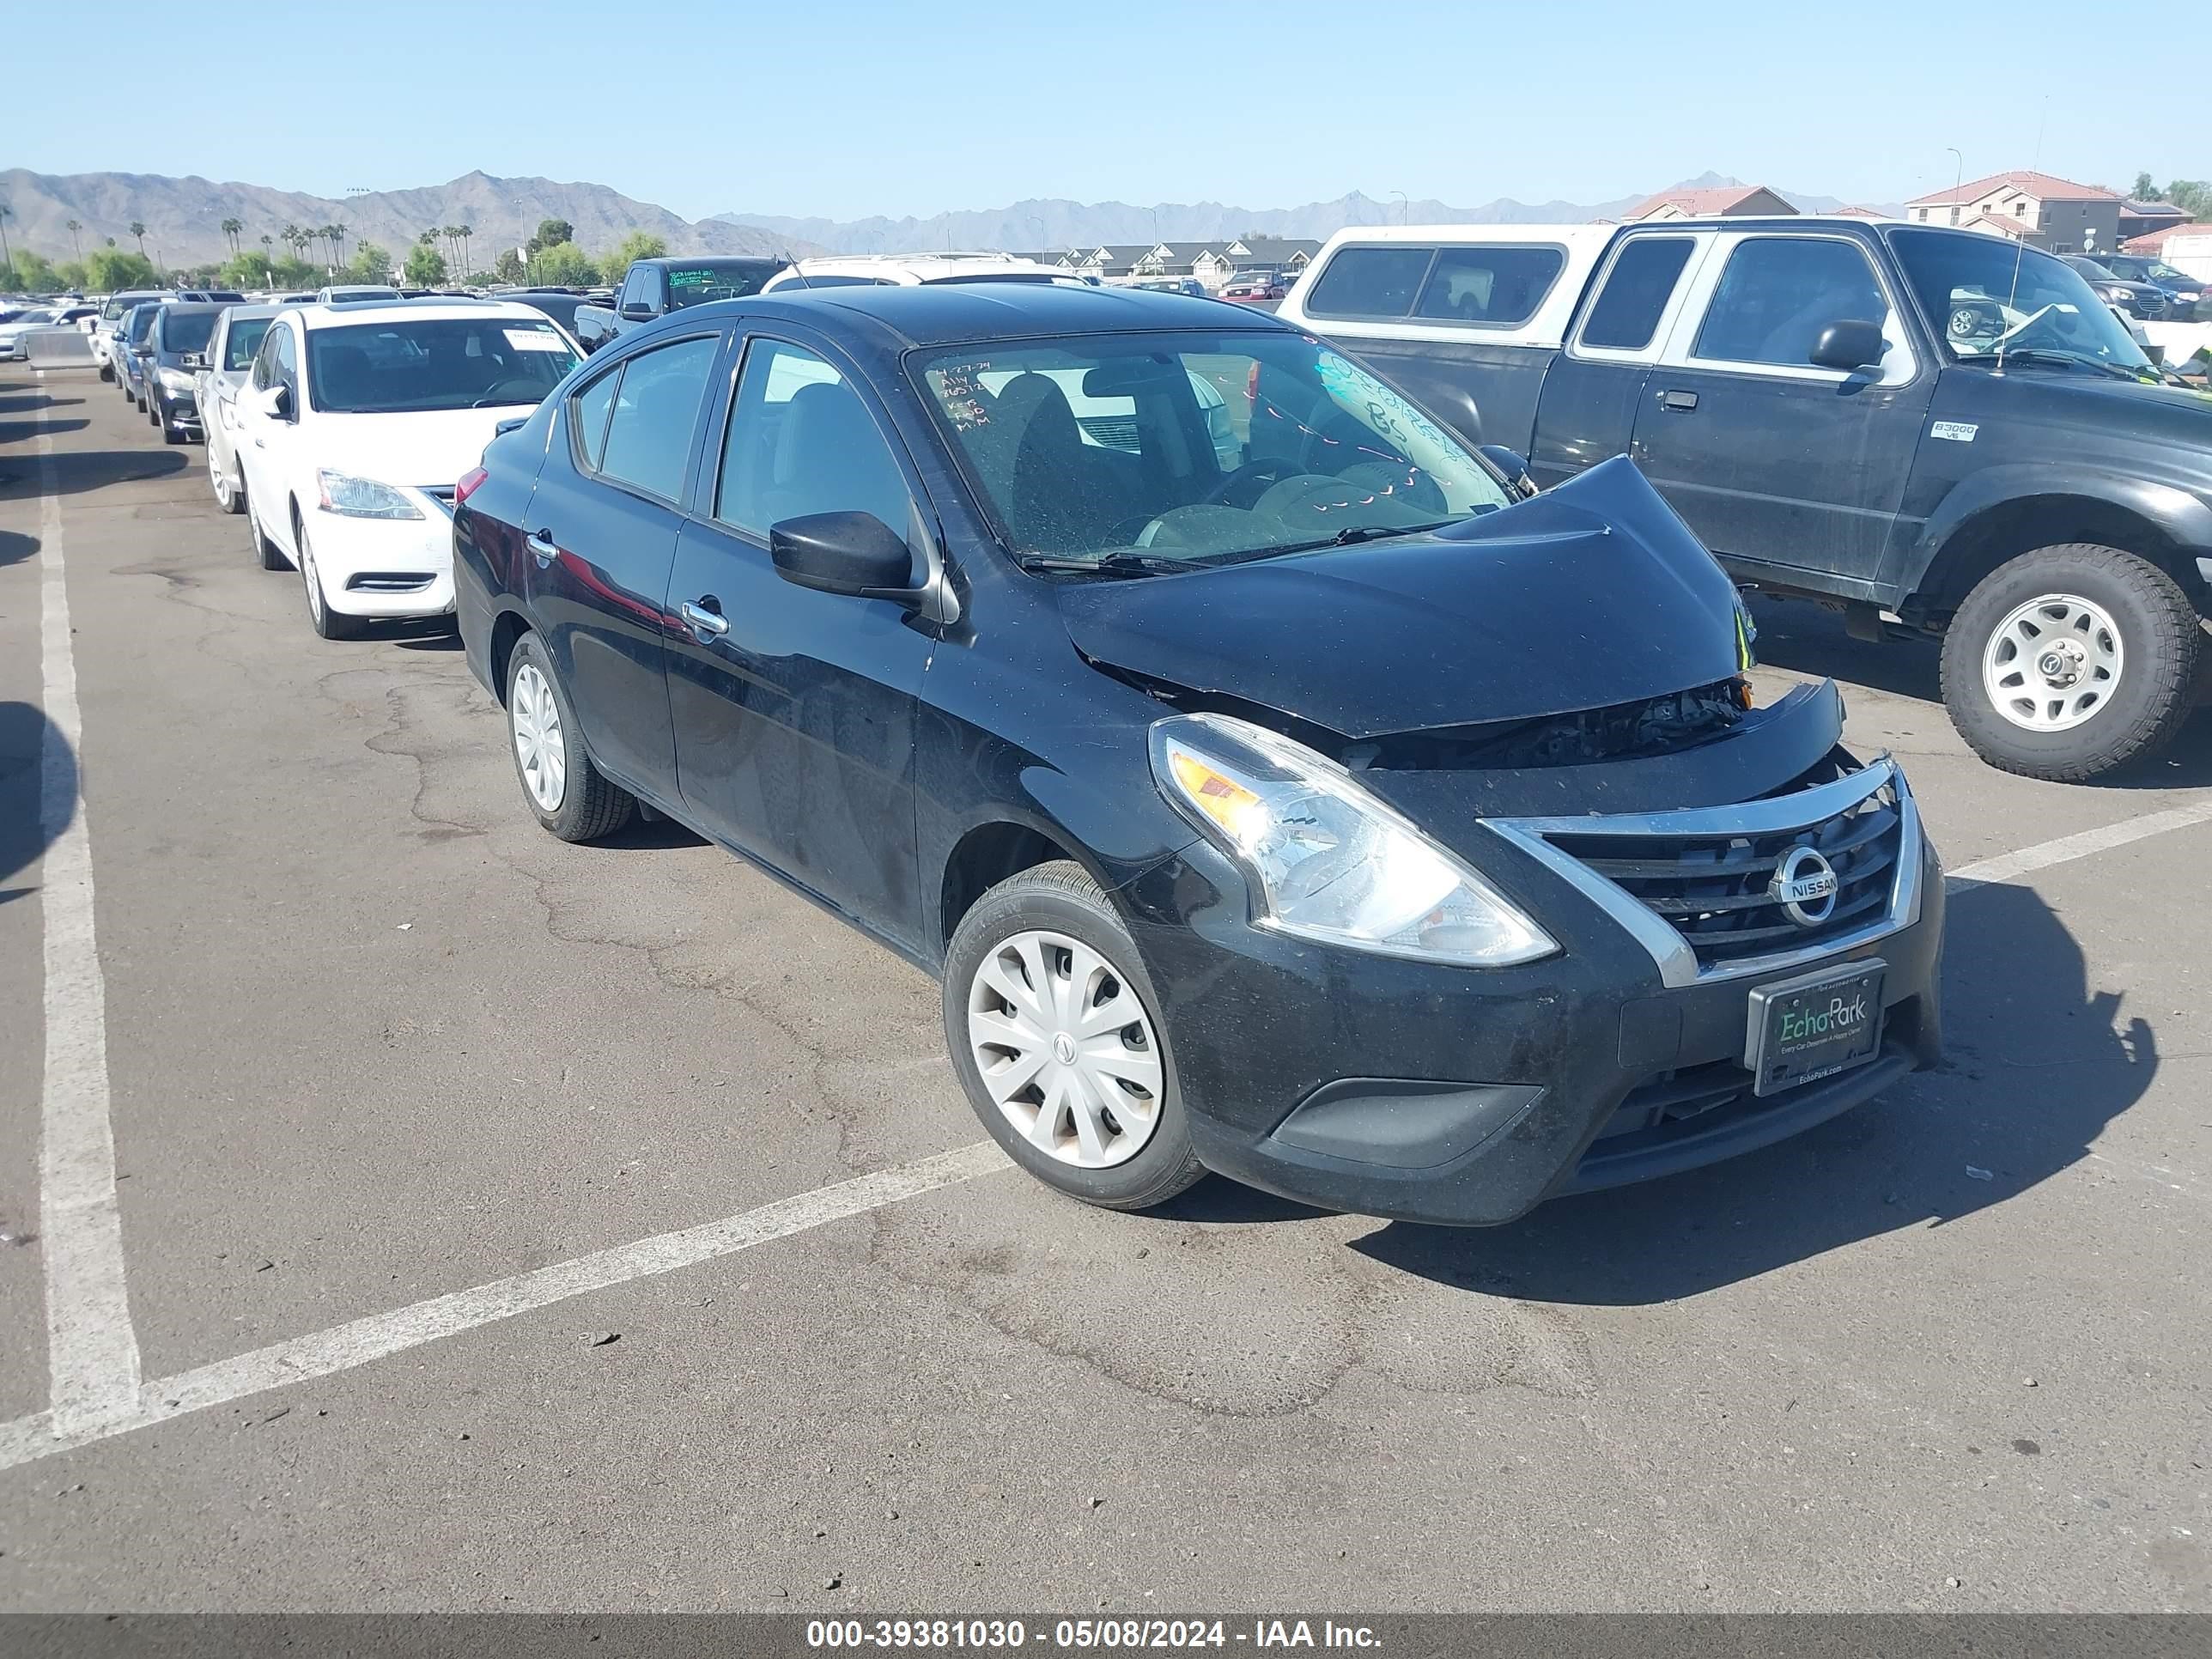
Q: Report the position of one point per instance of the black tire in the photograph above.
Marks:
(592, 805)
(2160, 637)
(1061, 897)
(106, 371)
(328, 624)
(266, 551)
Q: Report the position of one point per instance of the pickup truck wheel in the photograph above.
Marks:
(2069, 661)
(1050, 1018)
(571, 797)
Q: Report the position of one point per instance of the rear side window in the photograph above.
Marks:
(1635, 292)
(656, 407)
(587, 418)
(800, 441)
(1780, 292)
(1495, 285)
(1371, 282)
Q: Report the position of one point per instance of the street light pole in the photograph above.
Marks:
(1401, 195)
(1959, 177)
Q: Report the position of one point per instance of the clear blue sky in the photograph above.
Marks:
(847, 108)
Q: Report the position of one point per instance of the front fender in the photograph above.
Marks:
(2178, 515)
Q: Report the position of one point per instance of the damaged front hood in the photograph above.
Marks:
(1590, 594)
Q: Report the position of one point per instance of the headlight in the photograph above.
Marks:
(2115, 294)
(361, 498)
(1327, 861)
(176, 380)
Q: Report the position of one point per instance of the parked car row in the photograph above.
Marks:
(1933, 430)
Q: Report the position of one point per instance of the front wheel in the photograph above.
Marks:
(2069, 661)
(329, 623)
(571, 797)
(1055, 1034)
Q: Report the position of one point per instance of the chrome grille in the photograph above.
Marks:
(1699, 887)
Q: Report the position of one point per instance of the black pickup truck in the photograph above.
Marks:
(1932, 430)
(653, 288)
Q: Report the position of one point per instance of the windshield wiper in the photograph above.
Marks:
(1123, 563)
(1352, 535)
(2074, 359)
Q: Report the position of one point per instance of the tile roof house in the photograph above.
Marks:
(2038, 209)
(2143, 218)
(1726, 202)
(2153, 242)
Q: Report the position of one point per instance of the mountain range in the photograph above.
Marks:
(183, 217)
(1052, 223)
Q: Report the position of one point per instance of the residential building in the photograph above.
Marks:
(2038, 209)
(2154, 244)
(1726, 202)
(2147, 218)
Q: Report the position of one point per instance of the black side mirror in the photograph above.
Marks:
(1513, 464)
(854, 553)
(637, 312)
(1848, 346)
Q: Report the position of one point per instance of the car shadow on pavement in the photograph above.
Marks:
(15, 548)
(23, 728)
(12, 432)
(2038, 1063)
(79, 472)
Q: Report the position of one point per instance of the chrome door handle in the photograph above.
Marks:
(705, 623)
(540, 544)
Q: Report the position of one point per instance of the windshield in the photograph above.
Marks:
(1989, 298)
(716, 279)
(119, 306)
(397, 365)
(1199, 447)
(188, 331)
(243, 341)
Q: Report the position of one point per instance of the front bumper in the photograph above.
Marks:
(385, 566)
(179, 411)
(1467, 1096)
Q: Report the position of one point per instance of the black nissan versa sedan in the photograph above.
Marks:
(1273, 788)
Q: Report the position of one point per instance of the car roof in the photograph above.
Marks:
(195, 305)
(944, 313)
(335, 314)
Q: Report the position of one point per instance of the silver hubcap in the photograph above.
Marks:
(308, 576)
(1066, 1050)
(540, 747)
(2053, 663)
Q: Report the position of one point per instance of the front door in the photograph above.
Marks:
(601, 538)
(794, 710)
(1773, 461)
(263, 441)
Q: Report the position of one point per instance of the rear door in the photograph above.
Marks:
(1774, 462)
(600, 540)
(1438, 321)
(1586, 412)
(794, 710)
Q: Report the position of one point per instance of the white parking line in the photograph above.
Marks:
(2009, 867)
(93, 1352)
(362, 1340)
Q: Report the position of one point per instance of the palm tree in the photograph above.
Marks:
(74, 227)
(138, 229)
(230, 229)
(452, 236)
(337, 235)
(268, 248)
(6, 258)
(464, 232)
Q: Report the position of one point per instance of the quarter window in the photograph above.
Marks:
(1371, 282)
(800, 441)
(1778, 292)
(1496, 285)
(1635, 292)
(656, 408)
(587, 418)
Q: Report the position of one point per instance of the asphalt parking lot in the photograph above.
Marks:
(504, 1224)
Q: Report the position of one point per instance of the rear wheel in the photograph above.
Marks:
(1054, 1032)
(2069, 661)
(571, 797)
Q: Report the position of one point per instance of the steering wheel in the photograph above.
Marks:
(1267, 466)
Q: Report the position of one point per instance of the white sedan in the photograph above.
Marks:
(238, 334)
(355, 424)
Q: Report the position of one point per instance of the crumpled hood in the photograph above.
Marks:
(1591, 594)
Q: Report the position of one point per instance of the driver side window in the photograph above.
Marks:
(1778, 292)
(801, 441)
(265, 361)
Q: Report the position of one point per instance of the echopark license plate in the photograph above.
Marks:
(1814, 1026)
